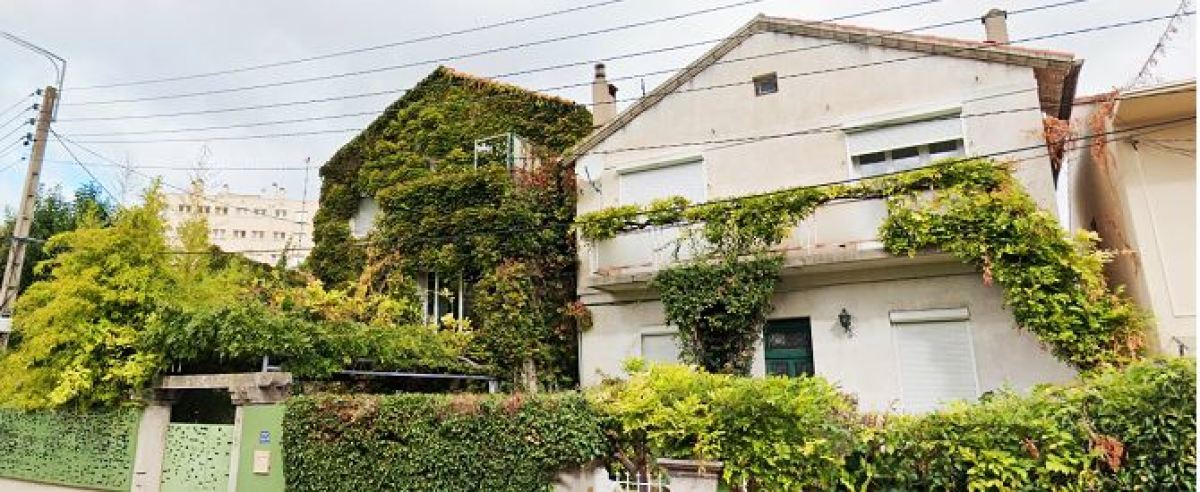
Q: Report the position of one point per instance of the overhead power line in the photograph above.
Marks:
(432, 61)
(1121, 133)
(745, 139)
(695, 89)
(84, 167)
(577, 63)
(336, 54)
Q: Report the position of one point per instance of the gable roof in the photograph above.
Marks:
(440, 75)
(1056, 72)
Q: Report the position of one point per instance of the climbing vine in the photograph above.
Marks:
(719, 308)
(971, 208)
(446, 210)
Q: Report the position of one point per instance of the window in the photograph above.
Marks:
(206, 209)
(280, 213)
(223, 210)
(364, 218)
(444, 294)
(218, 233)
(935, 358)
(181, 208)
(257, 234)
(260, 211)
(243, 211)
(239, 234)
(883, 149)
(684, 179)
(278, 235)
(766, 84)
(661, 347)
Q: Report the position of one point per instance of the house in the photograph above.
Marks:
(1134, 183)
(455, 183)
(262, 226)
(924, 329)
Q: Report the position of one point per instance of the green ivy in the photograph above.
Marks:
(719, 309)
(973, 209)
(441, 213)
(436, 442)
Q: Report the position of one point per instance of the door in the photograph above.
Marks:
(788, 344)
(197, 458)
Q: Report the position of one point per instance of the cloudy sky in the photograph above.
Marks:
(121, 41)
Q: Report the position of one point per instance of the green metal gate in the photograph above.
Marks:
(197, 458)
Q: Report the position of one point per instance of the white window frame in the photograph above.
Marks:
(901, 118)
(658, 332)
(430, 308)
(924, 158)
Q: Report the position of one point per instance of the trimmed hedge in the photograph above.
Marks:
(416, 442)
(1118, 429)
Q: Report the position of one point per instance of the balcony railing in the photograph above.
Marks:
(837, 227)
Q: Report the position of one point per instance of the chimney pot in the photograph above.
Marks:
(995, 26)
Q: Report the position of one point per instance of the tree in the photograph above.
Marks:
(54, 214)
(77, 327)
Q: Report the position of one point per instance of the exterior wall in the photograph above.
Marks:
(1141, 199)
(254, 421)
(864, 364)
(234, 211)
(151, 447)
(839, 241)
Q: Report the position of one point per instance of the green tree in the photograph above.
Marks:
(77, 329)
(53, 214)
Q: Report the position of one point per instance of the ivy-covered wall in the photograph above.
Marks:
(429, 131)
(93, 450)
(437, 442)
(443, 212)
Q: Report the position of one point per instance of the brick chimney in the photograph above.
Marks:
(604, 99)
(995, 24)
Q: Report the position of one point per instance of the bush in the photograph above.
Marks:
(1118, 429)
(1131, 429)
(436, 442)
(778, 433)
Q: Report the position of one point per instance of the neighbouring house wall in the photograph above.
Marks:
(87, 450)
(866, 363)
(255, 421)
(1141, 199)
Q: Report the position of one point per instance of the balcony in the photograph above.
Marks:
(840, 232)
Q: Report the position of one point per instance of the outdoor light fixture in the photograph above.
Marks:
(844, 320)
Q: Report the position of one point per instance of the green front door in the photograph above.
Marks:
(789, 347)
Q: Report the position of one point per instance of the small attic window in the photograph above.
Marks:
(765, 84)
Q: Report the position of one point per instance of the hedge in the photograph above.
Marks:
(1117, 429)
(416, 442)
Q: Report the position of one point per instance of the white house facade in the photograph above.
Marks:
(260, 226)
(785, 103)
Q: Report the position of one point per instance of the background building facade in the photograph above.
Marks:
(260, 226)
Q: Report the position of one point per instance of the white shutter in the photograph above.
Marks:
(937, 364)
(660, 347)
(868, 140)
(642, 187)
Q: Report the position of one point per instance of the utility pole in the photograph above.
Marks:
(20, 234)
(11, 283)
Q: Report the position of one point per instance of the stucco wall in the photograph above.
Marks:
(866, 363)
(834, 266)
(1141, 199)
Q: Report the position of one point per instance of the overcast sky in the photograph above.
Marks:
(118, 41)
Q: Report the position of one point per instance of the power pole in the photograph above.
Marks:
(20, 234)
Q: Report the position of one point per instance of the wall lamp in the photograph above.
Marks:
(845, 320)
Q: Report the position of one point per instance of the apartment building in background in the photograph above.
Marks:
(261, 225)
(924, 330)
